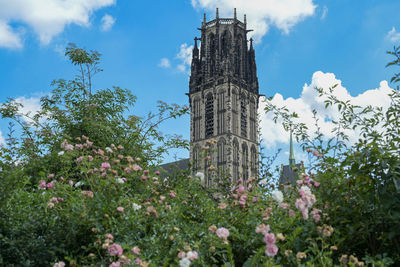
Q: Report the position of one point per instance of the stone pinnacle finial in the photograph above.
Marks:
(217, 14)
(234, 13)
(245, 20)
(251, 43)
(204, 19)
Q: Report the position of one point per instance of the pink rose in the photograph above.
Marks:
(146, 172)
(262, 229)
(222, 233)
(317, 217)
(59, 264)
(49, 185)
(157, 173)
(136, 250)
(115, 264)
(115, 249)
(120, 209)
(316, 184)
(79, 160)
(105, 165)
(136, 168)
(69, 147)
(269, 238)
(192, 255)
(292, 213)
(42, 184)
(172, 194)
(181, 255)
(271, 250)
(240, 189)
(109, 237)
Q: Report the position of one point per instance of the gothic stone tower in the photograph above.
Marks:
(223, 96)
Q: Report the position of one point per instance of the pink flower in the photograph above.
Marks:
(262, 229)
(292, 213)
(54, 200)
(71, 183)
(100, 152)
(240, 189)
(78, 146)
(136, 250)
(255, 199)
(51, 176)
(284, 205)
(49, 185)
(105, 165)
(87, 193)
(59, 264)
(172, 194)
(271, 250)
(316, 184)
(192, 255)
(299, 182)
(157, 173)
(239, 181)
(146, 172)
(69, 147)
(138, 159)
(136, 168)
(300, 204)
(317, 217)
(120, 209)
(115, 250)
(79, 160)
(138, 261)
(269, 238)
(181, 255)
(42, 184)
(115, 264)
(90, 158)
(304, 213)
(222, 233)
(109, 236)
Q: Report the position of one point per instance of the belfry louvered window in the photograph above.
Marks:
(235, 161)
(245, 164)
(234, 112)
(221, 113)
(243, 116)
(209, 116)
(253, 118)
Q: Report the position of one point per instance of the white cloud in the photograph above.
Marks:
(2, 140)
(274, 133)
(393, 35)
(30, 106)
(185, 56)
(261, 14)
(164, 63)
(8, 37)
(48, 18)
(107, 22)
(324, 12)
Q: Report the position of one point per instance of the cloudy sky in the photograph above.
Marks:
(146, 47)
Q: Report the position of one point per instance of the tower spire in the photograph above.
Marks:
(234, 13)
(292, 161)
(217, 14)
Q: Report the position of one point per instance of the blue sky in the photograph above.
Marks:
(146, 45)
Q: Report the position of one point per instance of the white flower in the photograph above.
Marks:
(136, 207)
(185, 262)
(109, 150)
(78, 184)
(201, 176)
(306, 190)
(263, 182)
(120, 181)
(61, 153)
(277, 196)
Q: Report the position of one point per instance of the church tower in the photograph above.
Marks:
(223, 96)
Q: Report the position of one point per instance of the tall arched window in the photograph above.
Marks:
(196, 158)
(253, 119)
(245, 163)
(254, 161)
(196, 119)
(234, 112)
(221, 157)
(243, 115)
(226, 42)
(221, 112)
(235, 160)
(209, 116)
